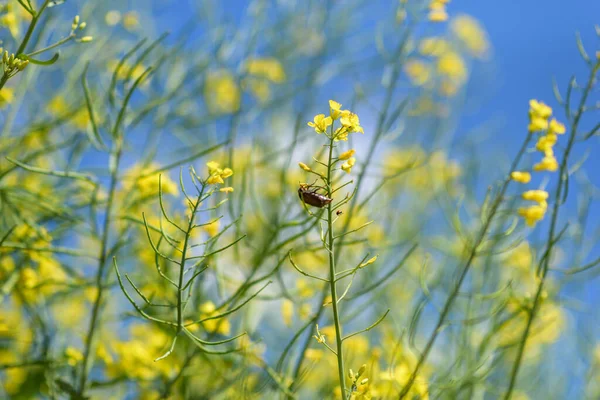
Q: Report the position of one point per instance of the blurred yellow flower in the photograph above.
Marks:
(131, 20)
(520, 176)
(532, 214)
(221, 92)
(452, 66)
(539, 196)
(548, 163)
(347, 154)
(287, 312)
(212, 229)
(136, 182)
(73, 355)
(268, 68)
(112, 17)
(220, 325)
(433, 46)
(556, 127)
(417, 72)
(7, 96)
(347, 166)
(437, 11)
(470, 32)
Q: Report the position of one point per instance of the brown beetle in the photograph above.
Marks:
(311, 197)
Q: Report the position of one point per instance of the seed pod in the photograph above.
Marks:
(312, 197)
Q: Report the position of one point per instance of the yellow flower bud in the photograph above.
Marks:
(304, 167)
(521, 177)
(535, 195)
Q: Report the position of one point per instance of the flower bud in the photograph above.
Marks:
(362, 369)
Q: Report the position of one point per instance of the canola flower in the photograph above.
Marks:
(437, 11)
(539, 121)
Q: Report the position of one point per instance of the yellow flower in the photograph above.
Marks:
(350, 121)
(452, 66)
(268, 68)
(437, 11)
(532, 214)
(537, 124)
(539, 196)
(448, 88)
(221, 92)
(539, 109)
(131, 20)
(147, 186)
(347, 154)
(220, 325)
(6, 96)
(304, 167)
(521, 177)
(216, 173)
(418, 72)
(259, 89)
(347, 166)
(321, 123)
(212, 229)
(112, 17)
(334, 109)
(215, 179)
(287, 312)
(470, 32)
(227, 189)
(127, 70)
(433, 46)
(548, 163)
(227, 172)
(546, 142)
(213, 166)
(73, 355)
(556, 127)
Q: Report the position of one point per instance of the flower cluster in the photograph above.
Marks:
(539, 121)
(348, 120)
(349, 123)
(217, 175)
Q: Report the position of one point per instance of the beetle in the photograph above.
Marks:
(311, 197)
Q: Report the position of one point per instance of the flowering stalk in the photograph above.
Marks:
(332, 280)
(465, 269)
(349, 123)
(551, 241)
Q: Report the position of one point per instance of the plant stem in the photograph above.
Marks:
(545, 261)
(182, 263)
(34, 20)
(87, 359)
(332, 282)
(455, 290)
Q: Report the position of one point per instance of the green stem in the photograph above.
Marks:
(34, 20)
(332, 281)
(87, 359)
(455, 290)
(180, 289)
(52, 46)
(545, 261)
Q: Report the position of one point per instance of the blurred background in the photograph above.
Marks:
(443, 98)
